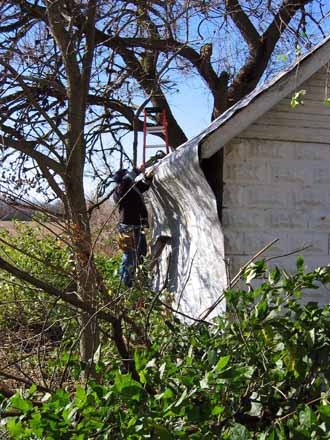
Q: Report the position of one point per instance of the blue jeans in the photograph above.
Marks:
(133, 256)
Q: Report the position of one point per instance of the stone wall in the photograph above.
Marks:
(277, 183)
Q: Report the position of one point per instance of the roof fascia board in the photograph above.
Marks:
(264, 101)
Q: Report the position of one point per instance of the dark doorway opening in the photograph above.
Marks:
(213, 171)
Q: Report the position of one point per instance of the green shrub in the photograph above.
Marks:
(261, 372)
(48, 259)
(40, 255)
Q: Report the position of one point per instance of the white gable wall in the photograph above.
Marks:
(277, 183)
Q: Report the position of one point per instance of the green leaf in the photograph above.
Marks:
(239, 432)
(81, 397)
(254, 270)
(32, 389)
(307, 417)
(162, 370)
(183, 396)
(217, 410)
(19, 403)
(275, 275)
(161, 433)
(151, 363)
(15, 428)
(167, 394)
(138, 360)
(204, 383)
(132, 422)
(325, 413)
(97, 355)
(222, 362)
(128, 386)
(297, 98)
(300, 264)
(271, 435)
(212, 356)
(326, 101)
(262, 308)
(311, 338)
(142, 376)
(36, 424)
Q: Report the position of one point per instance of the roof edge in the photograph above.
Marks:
(238, 117)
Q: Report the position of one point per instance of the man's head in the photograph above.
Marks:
(119, 175)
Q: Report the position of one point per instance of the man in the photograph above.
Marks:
(133, 217)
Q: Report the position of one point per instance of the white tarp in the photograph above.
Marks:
(184, 210)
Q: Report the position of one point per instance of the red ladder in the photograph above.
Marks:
(154, 129)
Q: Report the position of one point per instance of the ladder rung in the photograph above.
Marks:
(155, 146)
(156, 129)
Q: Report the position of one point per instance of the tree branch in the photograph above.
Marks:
(259, 56)
(89, 29)
(28, 147)
(243, 23)
(70, 298)
(65, 43)
(30, 97)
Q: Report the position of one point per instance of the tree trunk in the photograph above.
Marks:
(85, 270)
(81, 238)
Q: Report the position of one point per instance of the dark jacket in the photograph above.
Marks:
(132, 209)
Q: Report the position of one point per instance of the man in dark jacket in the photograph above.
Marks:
(133, 217)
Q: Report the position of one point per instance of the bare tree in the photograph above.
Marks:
(72, 72)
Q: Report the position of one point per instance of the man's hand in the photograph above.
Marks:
(149, 173)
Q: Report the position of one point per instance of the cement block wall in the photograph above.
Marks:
(277, 184)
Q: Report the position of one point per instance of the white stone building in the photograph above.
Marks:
(276, 174)
(277, 170)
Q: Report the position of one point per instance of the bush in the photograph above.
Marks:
(46, 258)
(260, 372)
(40, 255)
